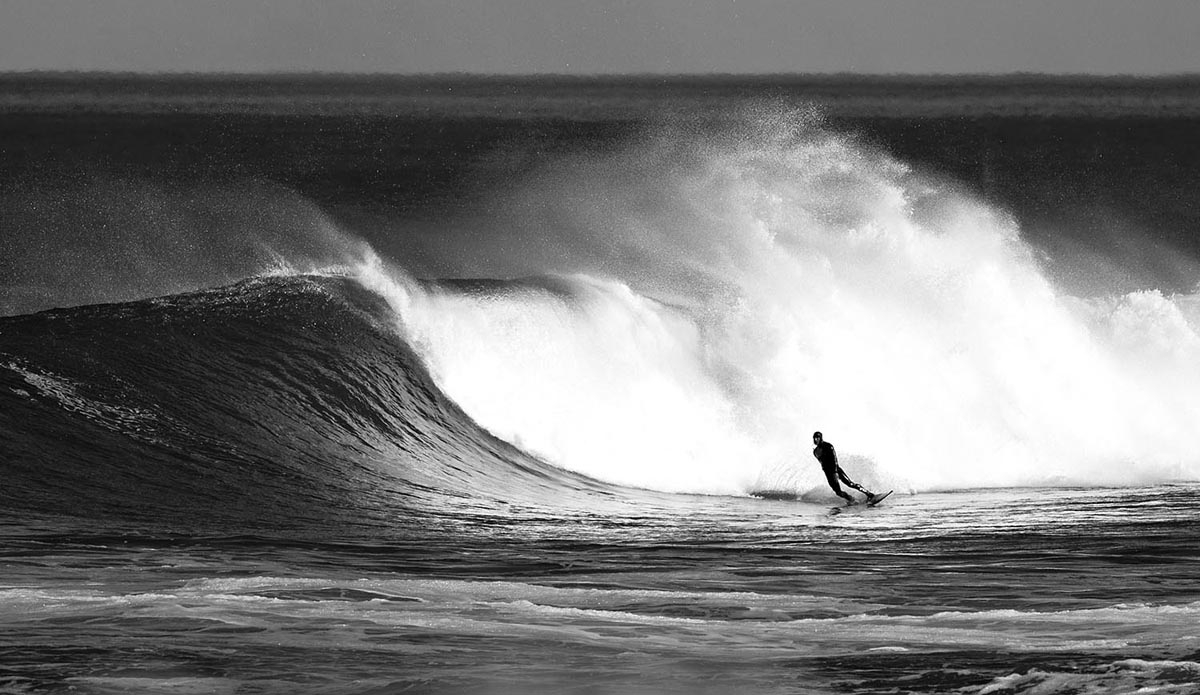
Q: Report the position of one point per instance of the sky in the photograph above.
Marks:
(1144, 37)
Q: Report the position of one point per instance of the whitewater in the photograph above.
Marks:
(722, 295)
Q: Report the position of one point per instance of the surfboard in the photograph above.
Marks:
(859, 507)
(878, 498)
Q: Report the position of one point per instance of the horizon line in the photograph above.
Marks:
(602, 75)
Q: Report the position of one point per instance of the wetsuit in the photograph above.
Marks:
(833, 472)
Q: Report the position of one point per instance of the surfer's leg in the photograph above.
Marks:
(831, 474)
(841, 474)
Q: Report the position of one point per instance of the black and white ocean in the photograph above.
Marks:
(464, 386)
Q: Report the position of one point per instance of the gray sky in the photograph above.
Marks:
(603, 36)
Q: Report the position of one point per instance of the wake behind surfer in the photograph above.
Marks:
(825, 453)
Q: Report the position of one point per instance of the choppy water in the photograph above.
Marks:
(982, 592)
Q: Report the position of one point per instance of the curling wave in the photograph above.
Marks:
(692, 306)
(274, 401)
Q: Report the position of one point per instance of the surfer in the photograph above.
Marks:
(825, 453)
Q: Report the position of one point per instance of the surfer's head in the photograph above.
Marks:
(817, 437)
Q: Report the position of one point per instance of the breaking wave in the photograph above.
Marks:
(684, 312)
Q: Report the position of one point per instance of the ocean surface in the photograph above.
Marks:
(466, 385)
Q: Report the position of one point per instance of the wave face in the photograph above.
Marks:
(722, 291)
(276, 401)
(693, 303)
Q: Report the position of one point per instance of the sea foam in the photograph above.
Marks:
(708, 296)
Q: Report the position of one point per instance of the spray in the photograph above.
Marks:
(706, 298)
